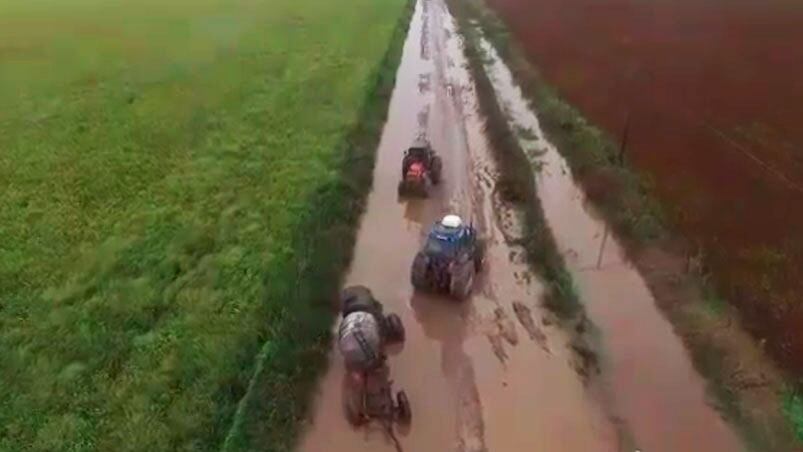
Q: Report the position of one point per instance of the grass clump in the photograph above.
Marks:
(169, 174)
(793, 407)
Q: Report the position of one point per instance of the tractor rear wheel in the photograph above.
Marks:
(352, 407)
(403, 412)
(437, 167)
(418, 273)
(479, 255)
(461, 287)
(395, 329)
(357, 299)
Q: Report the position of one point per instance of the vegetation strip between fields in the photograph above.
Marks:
(269, 415)
(516, 185)
(635, 215)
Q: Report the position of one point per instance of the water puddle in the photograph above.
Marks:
(646, 371)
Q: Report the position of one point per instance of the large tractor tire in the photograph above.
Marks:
(436, 169)
(352, 407)
(394, 329)
(358, 299)
(462, 284)
(403, 412)
(406, 161)
(418, 273)
(479, 255)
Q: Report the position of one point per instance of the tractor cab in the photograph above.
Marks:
(418, 153)
(448, 237)
(449, 259)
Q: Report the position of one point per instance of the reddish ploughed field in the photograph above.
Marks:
(715, 91)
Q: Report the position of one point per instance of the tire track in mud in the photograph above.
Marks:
(481, 375)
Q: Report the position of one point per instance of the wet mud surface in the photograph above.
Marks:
(487, 374)
(646, 373)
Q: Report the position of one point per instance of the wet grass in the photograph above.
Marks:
(179, 186)
(793, 407)
(268, 417)
(713, 302)
(710, 361)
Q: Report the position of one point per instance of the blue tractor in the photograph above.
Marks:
(450, 258)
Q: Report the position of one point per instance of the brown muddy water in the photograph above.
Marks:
(647, 373)
(488, 374)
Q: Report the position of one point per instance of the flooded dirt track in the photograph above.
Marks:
(484, 375)
(646, 371)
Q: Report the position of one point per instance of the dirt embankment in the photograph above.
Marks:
(710, 89)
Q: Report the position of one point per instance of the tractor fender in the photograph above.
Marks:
(462, 279)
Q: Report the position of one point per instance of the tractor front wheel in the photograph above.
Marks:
(418, 273)
(395, 329)
(437, 167)
(461, 287)
(403, 412)
(352, 406)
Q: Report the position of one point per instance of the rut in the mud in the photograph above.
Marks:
(486, 374)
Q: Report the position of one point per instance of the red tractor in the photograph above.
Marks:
(421, 168)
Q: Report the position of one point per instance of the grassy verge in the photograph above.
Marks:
(793, 408)
(742, 380)
(288, 365)
(172, 180)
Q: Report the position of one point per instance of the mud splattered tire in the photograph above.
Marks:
(395, 329)
(479, 256)
(418, 273)
(461, 287)
(351, 409)
(403, 412)
(358, 304)
(437, 167)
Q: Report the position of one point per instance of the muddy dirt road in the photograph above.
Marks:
(481, 375)
(492, 373)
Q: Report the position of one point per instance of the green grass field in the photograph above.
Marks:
(164, 167)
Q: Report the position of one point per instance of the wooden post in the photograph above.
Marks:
(623, 142)
(602, 246)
